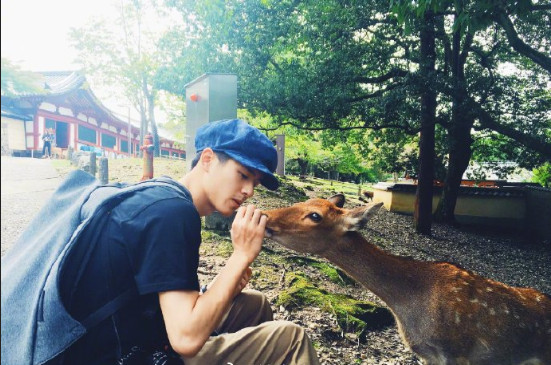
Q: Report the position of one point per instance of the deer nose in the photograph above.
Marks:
(268, 232)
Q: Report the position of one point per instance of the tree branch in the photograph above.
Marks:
(395, 72)
(487, 121)
(518, 44)
(375, 94)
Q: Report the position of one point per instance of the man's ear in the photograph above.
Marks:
(206, 159)
(355, 219)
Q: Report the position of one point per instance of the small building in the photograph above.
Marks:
(522, 207)
(78, 118)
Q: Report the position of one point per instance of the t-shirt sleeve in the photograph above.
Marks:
(163, 246)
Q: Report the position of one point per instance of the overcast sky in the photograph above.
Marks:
(35, 36)
(35, 32)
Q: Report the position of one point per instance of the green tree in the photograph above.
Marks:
(123, 56)
(355, 65)
(16, 81)
(542, 175)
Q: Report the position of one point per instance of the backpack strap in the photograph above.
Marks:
(110, 308)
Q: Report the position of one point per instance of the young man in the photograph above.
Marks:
(155, 247)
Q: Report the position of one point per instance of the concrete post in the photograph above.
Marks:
(104, 170)
(280, 146)
(70, 153)
(93, 164)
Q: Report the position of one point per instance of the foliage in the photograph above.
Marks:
(122, 55)
(16, 81)
(174, 108)
(342, 66)
(542, 175)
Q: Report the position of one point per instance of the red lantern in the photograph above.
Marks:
(194, 97)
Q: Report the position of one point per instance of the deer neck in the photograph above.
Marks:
(396, 280)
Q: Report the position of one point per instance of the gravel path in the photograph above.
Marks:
(26, 185)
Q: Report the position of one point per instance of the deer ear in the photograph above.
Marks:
(337, 199)
(356, 218)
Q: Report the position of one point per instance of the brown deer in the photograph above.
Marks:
(445, 314)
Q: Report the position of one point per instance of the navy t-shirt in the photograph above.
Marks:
(149, 244)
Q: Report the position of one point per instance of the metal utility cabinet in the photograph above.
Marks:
(209, 98)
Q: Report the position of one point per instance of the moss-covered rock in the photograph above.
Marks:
(352, 315)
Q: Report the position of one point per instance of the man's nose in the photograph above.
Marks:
(248, 189)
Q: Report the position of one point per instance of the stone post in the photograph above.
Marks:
(218, 222)
(103, 170)
(93, 164)
(70, 153)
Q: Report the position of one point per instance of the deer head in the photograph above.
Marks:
(315, 225)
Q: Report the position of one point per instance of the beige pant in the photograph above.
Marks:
(249, 336)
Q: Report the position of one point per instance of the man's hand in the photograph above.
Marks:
(247, 232)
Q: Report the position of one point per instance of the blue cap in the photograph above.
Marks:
(243, 143)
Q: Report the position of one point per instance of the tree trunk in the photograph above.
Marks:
(303, 166)
(459, 133)
(143, 127)
(150, 98)
(459, 157)
(423, 199)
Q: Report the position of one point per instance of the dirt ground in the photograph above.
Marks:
(506, 258)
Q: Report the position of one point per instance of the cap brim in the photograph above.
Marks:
(268, 178)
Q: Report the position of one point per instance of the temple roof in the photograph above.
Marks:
(67, 89)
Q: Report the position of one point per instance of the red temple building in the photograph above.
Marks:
(78, 118)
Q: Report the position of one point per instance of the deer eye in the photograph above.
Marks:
(315, 217)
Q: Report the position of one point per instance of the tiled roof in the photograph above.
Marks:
(59, 82)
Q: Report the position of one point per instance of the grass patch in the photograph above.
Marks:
(214, 244)
(333, 273)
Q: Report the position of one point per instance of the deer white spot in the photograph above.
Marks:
(538, 298)
(506, 310)
(457, 318)
(458, 299)
(488, 289)
(466, 283)
(455, 289)
(475, 300)
(492, 312)
(484, 304)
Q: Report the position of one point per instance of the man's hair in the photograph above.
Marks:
(222, 157)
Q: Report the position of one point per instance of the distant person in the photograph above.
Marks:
(47, 138)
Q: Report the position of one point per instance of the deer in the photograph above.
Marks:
(445, 314)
